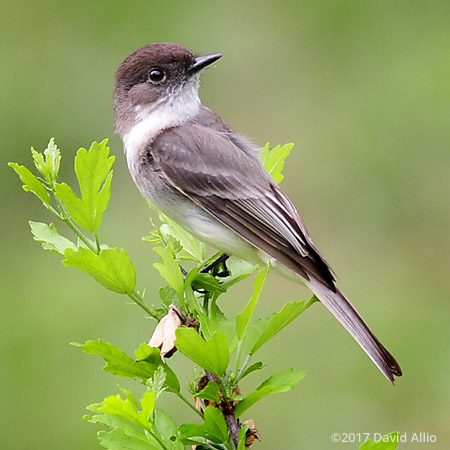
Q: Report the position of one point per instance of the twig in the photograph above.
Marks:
(227, 411)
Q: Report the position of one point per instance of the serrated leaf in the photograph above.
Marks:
(387, 442)
(167, 430)
(170, 270)
(86, 214)
(152, 358)
(157, 383)
(217, 322)
(126, 408)
(243, 318)
(212, 356)
(265, 329)
(119, 440)
(120, 364)
(280, 382)
(31, 183)
(39, 162)
(117, 361)
(50, 238)
(92, 168)
(191, 248)
(112, 421)
(168, 296)
(129, 395)
(123, 435)
(153, 238)
(114, 404)
(48, 163)
(112, 267)
(210, 392)
(273, 160)
(214, 428)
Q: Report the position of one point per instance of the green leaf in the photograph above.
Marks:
(387, 442)
(112, 421)
(256, 366)
(147, 406)
(168, 296)
(273, 160)
(149, 355)
(212, 356)
(239, 270)
(170, 270)
(207, 282)
(191, 297)
(153, 238)
(129, 395)
(119, 440)
(157, 383)
(31, 183)
(94, 177)
(243, 319)
(265, 329)
(167, 430)
(210, 392)
(48, 163)
(112, 267)
(280, 382)
(125, 409)
(120, 364)
(191, 248)
(114, 404)
(50, 238)
(214, 428)
(242, 437)
(117, 361)
(217, 322)
(121, 416)
(123, 434)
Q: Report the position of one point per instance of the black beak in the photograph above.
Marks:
(202, 61)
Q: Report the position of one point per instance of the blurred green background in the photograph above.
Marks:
(361, 88)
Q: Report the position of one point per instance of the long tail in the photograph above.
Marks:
(347, 315)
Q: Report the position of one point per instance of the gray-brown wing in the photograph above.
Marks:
(232, 185)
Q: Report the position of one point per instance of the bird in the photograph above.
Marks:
(193, 167)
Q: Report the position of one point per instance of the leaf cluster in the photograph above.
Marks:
(83, 213)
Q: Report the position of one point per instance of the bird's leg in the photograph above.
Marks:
(218, 263)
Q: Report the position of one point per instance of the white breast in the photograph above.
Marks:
(171, 111)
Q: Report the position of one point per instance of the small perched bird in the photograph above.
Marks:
(195, 169)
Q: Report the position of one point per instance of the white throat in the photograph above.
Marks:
(174, 110)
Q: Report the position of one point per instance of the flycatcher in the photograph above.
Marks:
(195, 169)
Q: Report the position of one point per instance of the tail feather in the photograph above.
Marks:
(347, 315)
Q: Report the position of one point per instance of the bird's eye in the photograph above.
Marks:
(156, 75)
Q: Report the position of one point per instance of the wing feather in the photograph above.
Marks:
(234, 187)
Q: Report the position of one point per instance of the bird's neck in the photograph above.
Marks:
(151, 120)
